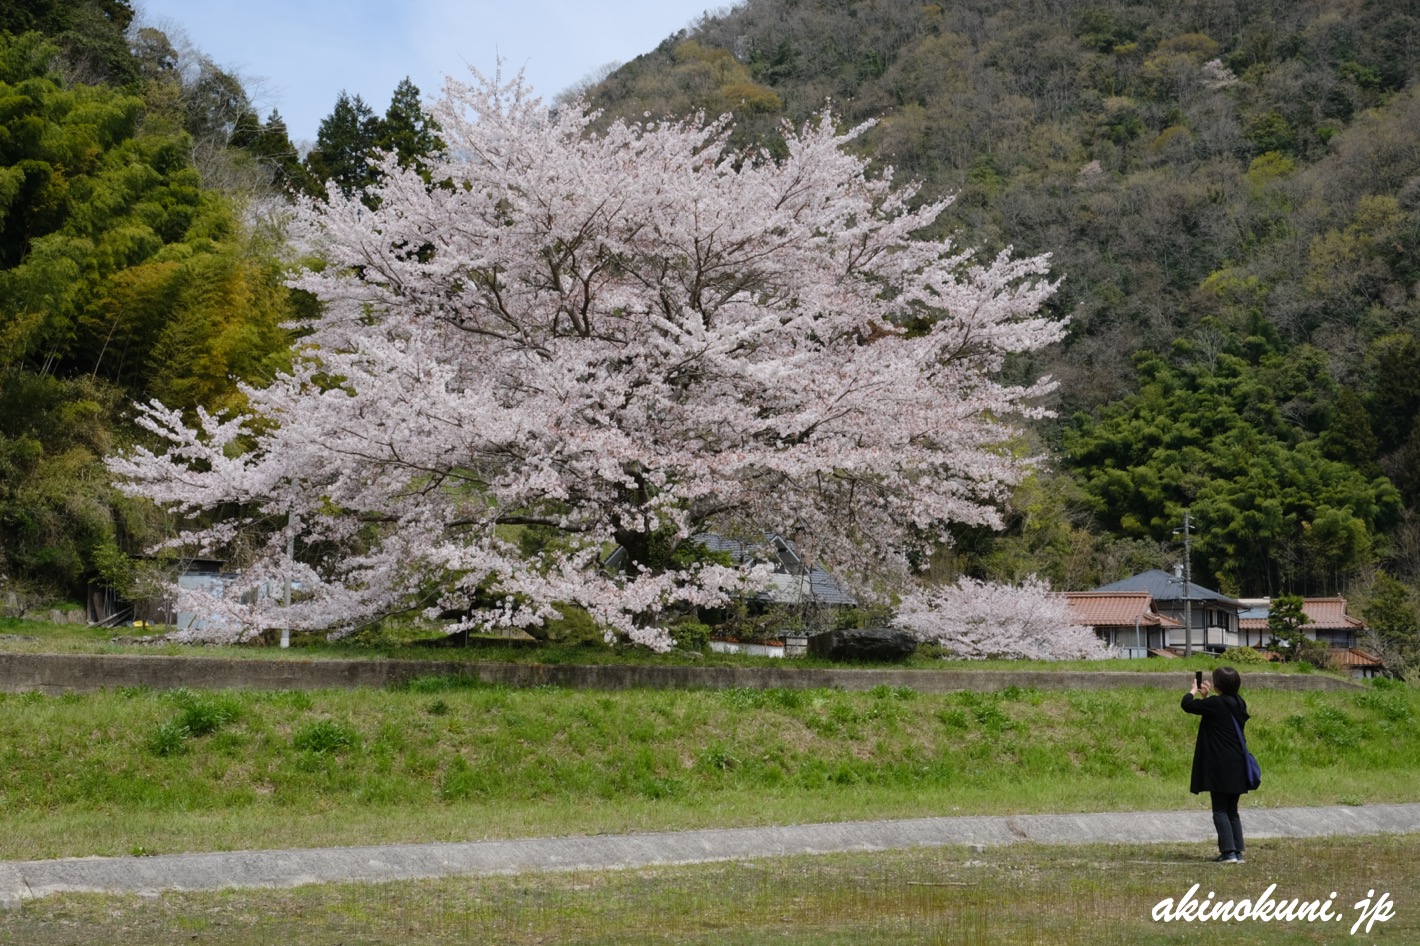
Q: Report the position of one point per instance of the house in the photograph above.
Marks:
(1214, 615)
(1327, 621)
(793, 582)
(1125, 620)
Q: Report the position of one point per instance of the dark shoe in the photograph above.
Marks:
(1230, 857)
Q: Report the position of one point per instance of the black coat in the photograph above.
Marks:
(1219, 764)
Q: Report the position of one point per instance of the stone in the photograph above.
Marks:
(863, 643)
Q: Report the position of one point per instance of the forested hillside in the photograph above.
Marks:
(1231, 191)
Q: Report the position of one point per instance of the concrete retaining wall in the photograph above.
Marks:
(77, 673)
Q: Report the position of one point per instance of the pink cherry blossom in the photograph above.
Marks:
(978, 619)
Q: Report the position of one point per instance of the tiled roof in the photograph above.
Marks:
(1325, 614)
(1165, 587)
(1355, 657)
(1115, 609)
(1329, 614)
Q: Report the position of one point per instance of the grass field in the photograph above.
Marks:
(136, 771)
(1013, 896)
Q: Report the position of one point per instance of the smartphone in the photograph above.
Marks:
(1198, 679)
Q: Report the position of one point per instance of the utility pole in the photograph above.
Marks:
(1187, 587)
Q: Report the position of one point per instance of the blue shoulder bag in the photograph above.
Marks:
(1254, 771)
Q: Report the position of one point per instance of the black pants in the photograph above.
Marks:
(1225, 819)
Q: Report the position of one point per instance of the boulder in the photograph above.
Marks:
(863, 643)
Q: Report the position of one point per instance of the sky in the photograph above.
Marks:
(297, 55)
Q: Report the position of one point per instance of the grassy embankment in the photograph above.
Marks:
(1013, 896)
(134, 771)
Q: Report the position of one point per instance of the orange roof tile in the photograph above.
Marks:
(1115, 609)
(1325, 614)
(1329, 613)
(1355, 657)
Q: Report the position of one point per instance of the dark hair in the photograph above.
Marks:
(1226, 681)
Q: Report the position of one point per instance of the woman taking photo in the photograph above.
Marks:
(1219, 759)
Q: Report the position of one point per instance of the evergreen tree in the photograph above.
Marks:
(344, 143)
(408, 130)
(1285, 619)
(271, 144)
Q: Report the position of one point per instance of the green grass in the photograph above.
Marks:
(1014, 896)
(127, 770)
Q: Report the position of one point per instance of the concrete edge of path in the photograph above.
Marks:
(23, 880)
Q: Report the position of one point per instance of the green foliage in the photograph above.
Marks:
(343, 752)
(59, 515)
(90, 33)
(121, 277)
(407, 129)
(1394, 620)
(692, 635)
(1210, 435)
(1242, 655)
(201, 714)
(344, 143)
(1285, 619)
(574, 627)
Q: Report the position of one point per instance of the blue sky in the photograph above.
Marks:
(297, 55)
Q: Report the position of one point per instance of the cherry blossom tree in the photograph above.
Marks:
(576, 339)
(978, 619)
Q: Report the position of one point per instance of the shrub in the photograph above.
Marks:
(1243, 655)
(692, 635)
